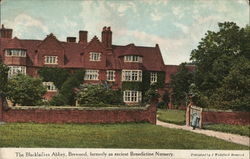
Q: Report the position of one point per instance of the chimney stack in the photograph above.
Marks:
(71, 39)
(83, 37)
(107, 37)
(5, 33)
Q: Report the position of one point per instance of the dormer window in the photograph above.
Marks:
(51, 60)
(133, 58)
(95, 56)
(15, 53)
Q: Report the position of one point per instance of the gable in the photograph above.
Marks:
(94, 45)
(50, 43)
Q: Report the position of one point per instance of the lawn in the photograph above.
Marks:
(130, 135)
(172, 116)
(235, 129)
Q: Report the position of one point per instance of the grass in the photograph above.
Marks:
(235, 129)
(172, 116)
(130, 135)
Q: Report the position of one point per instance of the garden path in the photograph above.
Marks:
(243, 140)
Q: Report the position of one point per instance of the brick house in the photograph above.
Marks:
(101, 59)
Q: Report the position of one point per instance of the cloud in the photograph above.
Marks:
(23, 21)
(184, 28)
(173, 50)
(156, 16)
(178, 12)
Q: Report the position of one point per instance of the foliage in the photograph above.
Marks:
(161, 105)
(172, 116)
(3, 79)
(54, 74)
(151, 94)
(216, 59)
(180, 83)
(25, 90)
(235, 129)
(66, 95)
(129, 135)
(165, 98)
(234, 92)
(160, 79)
(98, 94)
(135, 86)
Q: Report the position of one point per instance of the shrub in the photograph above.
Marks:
(25, 90)
(98, 94)
(151, 94)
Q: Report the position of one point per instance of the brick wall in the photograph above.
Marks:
(82, 115)
(236, 118)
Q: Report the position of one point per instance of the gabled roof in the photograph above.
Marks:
(130, 50)
(50, 42)
(14, 44)
(173, 69)
(95, 42)
(152, 59)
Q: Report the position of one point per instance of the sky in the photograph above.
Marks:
(176, 25)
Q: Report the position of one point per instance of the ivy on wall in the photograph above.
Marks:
(54, 74)
(145, 84)
(136, 86)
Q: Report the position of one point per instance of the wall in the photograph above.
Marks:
(79, 115)
(236, 118)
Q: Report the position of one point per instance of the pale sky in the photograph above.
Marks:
(176, 25)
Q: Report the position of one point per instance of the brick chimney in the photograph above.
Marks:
(83, 37)
(5, 33)
(71, 39)
(107, 37)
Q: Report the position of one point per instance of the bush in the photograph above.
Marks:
(98, 94)
(151, 94)
(25, 90)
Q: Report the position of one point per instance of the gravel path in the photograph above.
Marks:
(243, 140)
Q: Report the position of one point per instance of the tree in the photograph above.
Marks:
(3, 79)
(67, 93)
(234, 92)
(25, 90)
(53, 74)
(180, 83)
(216, 58)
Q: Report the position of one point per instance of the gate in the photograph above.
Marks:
(194, 116)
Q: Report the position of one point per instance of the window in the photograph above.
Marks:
(110, 75)
(131, 96)
(15, 53)
(153, 77)
(132, 58)
(14, 70)
(95, 56)
(131, 75)
(51, 60)
(91, 75)
(50, 86)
